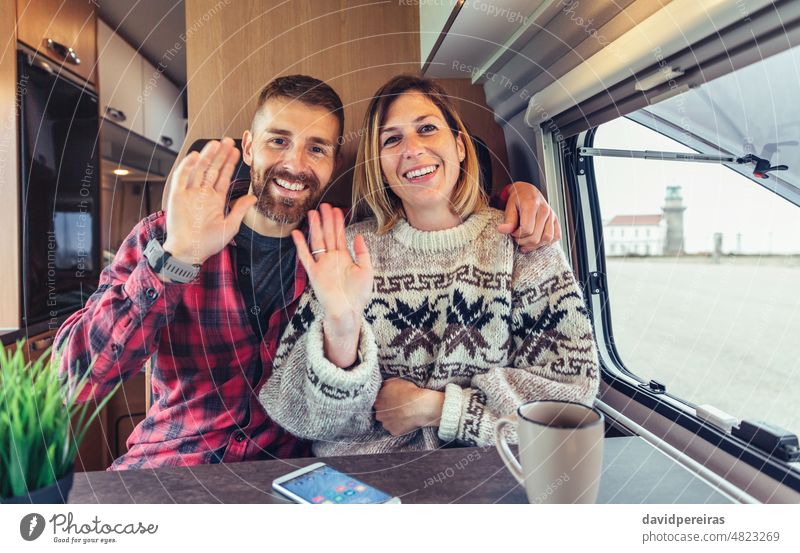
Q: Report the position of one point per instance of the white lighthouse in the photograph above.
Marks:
(673, 213)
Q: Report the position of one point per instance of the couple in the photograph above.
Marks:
(206, 289)
(437, 324)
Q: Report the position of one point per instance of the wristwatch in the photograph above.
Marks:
(163, 263)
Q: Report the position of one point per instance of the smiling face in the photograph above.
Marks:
(420, 156)
(291, 153)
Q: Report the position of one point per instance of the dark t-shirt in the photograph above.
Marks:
(265, 266)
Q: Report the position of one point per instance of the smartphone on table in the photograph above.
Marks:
(321, 483)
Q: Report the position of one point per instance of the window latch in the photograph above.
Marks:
(773, 440)
(762, 166)
(655, 387)
(596, 282)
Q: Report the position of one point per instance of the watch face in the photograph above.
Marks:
(155, 255)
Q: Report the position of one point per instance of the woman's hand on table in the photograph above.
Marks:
(403, 407)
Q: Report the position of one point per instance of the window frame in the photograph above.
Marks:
(588, 247)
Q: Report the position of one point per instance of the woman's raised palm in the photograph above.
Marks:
(342, 284)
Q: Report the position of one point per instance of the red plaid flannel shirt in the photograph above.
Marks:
(209, 364)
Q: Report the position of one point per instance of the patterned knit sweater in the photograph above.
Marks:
(460, 311)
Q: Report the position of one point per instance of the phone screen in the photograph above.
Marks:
(327, 485)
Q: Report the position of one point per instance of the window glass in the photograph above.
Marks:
(749, 111)
(705, 300)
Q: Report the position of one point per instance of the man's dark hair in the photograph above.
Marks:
(307, 90)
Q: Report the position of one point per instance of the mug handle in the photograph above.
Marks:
(505, 452)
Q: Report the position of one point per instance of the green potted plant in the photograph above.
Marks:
(41, 426)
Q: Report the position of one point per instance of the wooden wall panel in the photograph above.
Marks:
(9, 176)
(235, 48)
(479, 118)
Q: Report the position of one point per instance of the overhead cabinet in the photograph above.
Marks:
(121, 77)
(62, 30)
(163, 109)
(137, 95)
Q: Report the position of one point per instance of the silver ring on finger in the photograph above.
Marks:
(321, 250)
(210, 176)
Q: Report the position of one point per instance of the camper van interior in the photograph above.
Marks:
(664, 136)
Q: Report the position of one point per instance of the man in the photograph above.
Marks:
(208, 287)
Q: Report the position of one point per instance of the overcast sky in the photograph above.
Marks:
(716, 198)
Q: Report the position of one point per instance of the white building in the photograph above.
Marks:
(635, 235)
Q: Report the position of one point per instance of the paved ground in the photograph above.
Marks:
(726, 334)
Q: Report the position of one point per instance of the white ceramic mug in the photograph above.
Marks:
(561, 448)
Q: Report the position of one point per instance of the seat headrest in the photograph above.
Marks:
(242, 169)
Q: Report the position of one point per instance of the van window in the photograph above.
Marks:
(704, 299)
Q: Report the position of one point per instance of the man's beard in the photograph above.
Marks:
(285, 211)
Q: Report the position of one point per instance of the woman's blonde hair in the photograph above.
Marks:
(368, 183)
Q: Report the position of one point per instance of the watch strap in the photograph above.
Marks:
(163, 263)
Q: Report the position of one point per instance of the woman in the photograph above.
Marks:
(437, 325)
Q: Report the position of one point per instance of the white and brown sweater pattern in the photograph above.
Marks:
(460, 311)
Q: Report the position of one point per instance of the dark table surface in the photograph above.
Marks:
(633, 472)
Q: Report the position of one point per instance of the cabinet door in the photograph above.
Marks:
(35, 346)
(68, 23)
(163, 109)
(120, 68)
